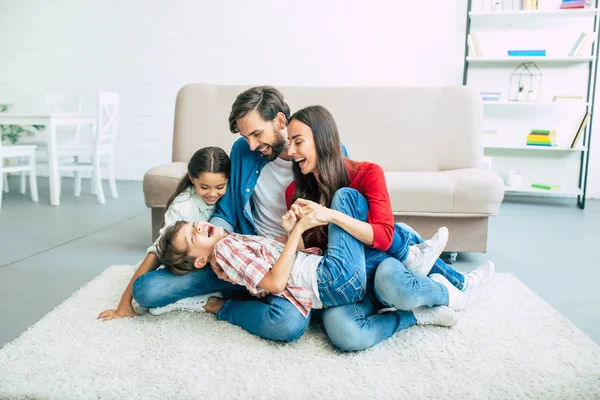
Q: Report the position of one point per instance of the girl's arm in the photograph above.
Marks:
(125, 309)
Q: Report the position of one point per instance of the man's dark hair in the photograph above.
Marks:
(267, 100)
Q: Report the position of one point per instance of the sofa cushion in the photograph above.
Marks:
(466, 191)
(160, 183)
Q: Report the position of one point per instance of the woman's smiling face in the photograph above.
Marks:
(302, 147)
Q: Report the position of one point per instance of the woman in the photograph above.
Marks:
(320, 171)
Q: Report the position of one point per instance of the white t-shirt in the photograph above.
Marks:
(269, 197)
(304, 274)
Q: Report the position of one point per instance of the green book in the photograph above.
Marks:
(545, 187)
(541, 131)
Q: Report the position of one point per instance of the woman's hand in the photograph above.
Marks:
(319, 215)
(120, 312)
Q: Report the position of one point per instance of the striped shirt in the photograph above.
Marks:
(246, 260)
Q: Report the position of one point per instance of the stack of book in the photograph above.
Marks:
(541, 137)
(571, 4)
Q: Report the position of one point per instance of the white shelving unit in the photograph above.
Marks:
(555, 31)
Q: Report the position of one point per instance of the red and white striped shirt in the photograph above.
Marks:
(246, 260)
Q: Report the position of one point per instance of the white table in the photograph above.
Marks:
(51, 121)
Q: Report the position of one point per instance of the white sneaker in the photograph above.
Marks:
(192, 304)
(428, 252)
(457, 300)
(442, 316)
(478, 279)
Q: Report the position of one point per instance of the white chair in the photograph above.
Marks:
(102, 144)
(24, 156)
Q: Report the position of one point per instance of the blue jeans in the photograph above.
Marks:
(357, 326)
(341, 274)
(271, 318)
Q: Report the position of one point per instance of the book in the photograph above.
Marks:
(577, 43)
(581, 129)
(545, 187)
(526, 53)
(585, 47)
(474, 45)
(566, 97)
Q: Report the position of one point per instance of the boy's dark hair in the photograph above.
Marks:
(175, 261)
(267, 100)
(207, 159)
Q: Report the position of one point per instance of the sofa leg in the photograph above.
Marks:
(449, 257)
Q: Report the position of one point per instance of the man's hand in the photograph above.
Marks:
(120, 312)
(219, 271)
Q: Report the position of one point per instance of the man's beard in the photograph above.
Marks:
(276, 148)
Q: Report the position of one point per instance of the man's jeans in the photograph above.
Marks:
(271, 318)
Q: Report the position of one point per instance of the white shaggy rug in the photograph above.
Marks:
(511, 344)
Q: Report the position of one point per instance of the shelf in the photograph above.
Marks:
(573, 103)
(530, 190)
(548, 13)
(507, 59)
(534, 148)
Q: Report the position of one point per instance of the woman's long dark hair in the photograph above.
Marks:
(207, 159)
(333, 173)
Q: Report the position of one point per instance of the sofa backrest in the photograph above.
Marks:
(400, 128)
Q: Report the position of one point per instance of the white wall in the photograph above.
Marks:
(147, 50)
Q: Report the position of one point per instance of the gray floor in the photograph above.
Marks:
(47, 253)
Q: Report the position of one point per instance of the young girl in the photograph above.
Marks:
(303, 277)
(194, 200)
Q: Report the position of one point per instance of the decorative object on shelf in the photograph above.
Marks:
(514, 178)
(541, 137)
(12, 133)
(525, 83)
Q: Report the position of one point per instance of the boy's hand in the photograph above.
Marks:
(120, 312)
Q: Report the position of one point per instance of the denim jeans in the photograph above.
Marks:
(270, 318)
(357, 326)
(341, 274)
(440, 267)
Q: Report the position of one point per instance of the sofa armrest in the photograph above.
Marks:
(160, 183)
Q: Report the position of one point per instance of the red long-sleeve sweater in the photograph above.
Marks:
(368, 179)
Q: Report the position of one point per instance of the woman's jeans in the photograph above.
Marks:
(358, 326)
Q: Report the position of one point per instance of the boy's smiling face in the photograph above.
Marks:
(199, 238)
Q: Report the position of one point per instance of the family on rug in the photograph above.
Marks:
(300, 226)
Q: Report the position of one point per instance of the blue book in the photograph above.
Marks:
(530, 53)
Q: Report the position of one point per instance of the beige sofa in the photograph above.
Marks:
(427, 140)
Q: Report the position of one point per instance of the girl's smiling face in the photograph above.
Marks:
(210, 186)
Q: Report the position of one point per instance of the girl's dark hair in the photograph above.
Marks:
(207, 159)
(175, 261)
(267, 100)
(333, 173)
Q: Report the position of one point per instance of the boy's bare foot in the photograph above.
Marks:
(213, 305)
